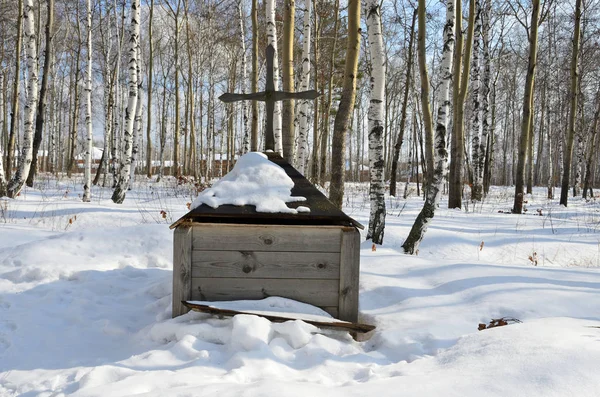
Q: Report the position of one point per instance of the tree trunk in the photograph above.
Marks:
(175, 168)
(459, 94)
(476, 170)
(14, 114)
(39, 121)
(137, 123)
(16, 184)
(376, 123)
(400, 137)
(272, 40)
(87, 183)
(3, 110)
(314, 170)
(527, 102)
(134, 33)
(568, 154)
(246, 130)
(325, 122)
(486, 143)
(587, 182)
(346, 106)
(191, 158)
(304, 85)
(254, 126)
(287, 63)
(434, 192)
(149, 109)
(531, 140)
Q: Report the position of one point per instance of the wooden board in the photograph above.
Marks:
(182, 269)
(227, 237)
(319, 293)
(340, 325)
(349, 274)
(249, 264)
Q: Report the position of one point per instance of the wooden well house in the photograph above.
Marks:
(235, 253)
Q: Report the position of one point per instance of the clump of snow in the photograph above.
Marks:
(250, 333)
(254, 180)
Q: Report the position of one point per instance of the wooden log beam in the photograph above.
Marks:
(338, 325)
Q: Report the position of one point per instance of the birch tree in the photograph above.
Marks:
(134, 35)
(88, 115)
(417, 232)
(459, 94)
(246, 128)
(574, 94)
(400, 138)
(149, 93)
(137, 122)
(376, 122)
(487, 139)
(14, 114)
(16, 184)
(527, 100)
(304, 85)
(287, 62)
(2, 179)
(477, 172)
(41, 108)
(272, 40)
(254, 86)
(346, 105)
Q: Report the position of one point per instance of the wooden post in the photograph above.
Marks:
(349, 273)
(182, 269)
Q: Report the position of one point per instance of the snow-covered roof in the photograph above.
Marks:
(96, 154)
(265, 189)
(254, 180)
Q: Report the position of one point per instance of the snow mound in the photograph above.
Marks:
(254, 180)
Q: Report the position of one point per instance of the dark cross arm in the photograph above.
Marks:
(265, 96)
(254, 96)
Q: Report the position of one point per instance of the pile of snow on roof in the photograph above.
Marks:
(254, 180)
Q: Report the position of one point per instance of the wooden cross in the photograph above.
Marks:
(269, 96)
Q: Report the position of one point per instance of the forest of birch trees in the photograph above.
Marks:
(452, 95)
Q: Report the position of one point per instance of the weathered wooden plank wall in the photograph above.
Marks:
(312, 264)
(349, 274)
(182, 269)
(266, 238)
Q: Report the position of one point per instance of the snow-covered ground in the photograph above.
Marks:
(85, 297)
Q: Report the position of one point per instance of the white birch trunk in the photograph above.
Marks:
(2, 176)
(88, 115)
(303, 104)
(115, 128)
(246, 139)
(485, 109)
(137, 125)
(116, 115)
(440, 152)
(578, 165)
(121, 189)
(18, 180)
(376, 122)
(549, 182)
(272, 40)
(108, 108)
(476, 141)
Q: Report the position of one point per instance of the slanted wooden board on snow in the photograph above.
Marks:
(225, 252)
(276, 318)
